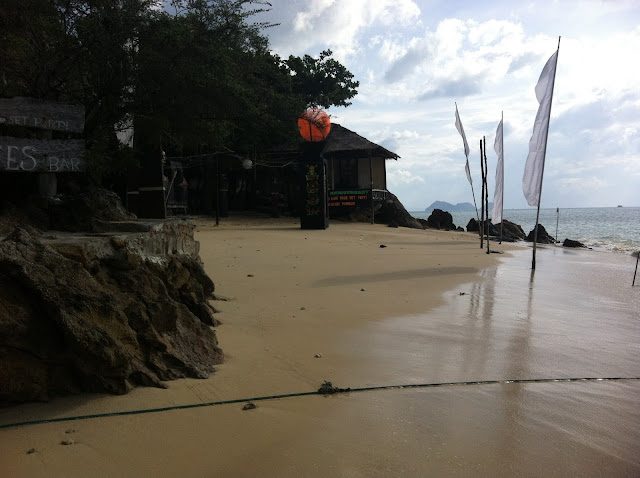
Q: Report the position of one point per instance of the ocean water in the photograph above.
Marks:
(614, 229)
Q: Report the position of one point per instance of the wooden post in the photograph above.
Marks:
(481, 224)
(152, 203)
(371, 183)
(636, 271)
(486, 190)
(217, 191)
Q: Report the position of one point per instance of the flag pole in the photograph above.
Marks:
(475, 205)
(557, 221)
(502, 196)
(481, 224)
(544, 158)
(486, 191)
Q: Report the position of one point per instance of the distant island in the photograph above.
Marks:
(461, 206)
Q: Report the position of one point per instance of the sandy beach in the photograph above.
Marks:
(300, 307)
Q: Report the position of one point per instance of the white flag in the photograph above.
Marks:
(534, 168)
(496, 214)
(466, 146)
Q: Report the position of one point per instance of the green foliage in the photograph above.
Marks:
(322, 81)
(34, 58)
(196, 76)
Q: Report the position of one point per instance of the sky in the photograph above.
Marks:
(415, 59)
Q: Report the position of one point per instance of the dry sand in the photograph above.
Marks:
(429, 307)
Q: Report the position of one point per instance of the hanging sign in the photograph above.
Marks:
(26, 154)
(350, 198)
(40, 114)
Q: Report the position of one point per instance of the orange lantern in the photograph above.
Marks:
(314, 124)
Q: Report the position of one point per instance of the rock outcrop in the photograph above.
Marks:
(440, 219)
(543, 236)
(511, 232)
(81, 210)
(572, 243)
(394, 213)
(472, 226)
(102, 313)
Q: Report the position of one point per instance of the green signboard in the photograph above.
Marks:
(350, 198)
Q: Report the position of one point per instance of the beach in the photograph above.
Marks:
(480, 339)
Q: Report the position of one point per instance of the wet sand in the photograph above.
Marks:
(435, 309)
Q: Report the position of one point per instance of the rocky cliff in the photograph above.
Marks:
(102, 312)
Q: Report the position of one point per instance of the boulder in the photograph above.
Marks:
(543, 236)
(513, 229)
(572, 243)
(511, 232)
(393, 212)
(439, 219)
(472, 226)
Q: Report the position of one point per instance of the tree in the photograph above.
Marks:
(197, 77)
(322, 81)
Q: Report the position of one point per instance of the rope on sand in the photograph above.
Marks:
(326, 389)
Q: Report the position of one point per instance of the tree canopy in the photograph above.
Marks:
(194, 76)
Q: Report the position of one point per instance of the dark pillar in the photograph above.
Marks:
(314, 187)
(151, 197)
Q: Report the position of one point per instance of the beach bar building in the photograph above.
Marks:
(356, 170)
(270, 181)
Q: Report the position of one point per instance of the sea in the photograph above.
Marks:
(614, 229)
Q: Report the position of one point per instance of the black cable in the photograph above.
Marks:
(325, 389)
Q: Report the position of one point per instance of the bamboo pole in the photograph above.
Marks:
(476, 206)
(481, 223)
(557, 221)
(371, 183)
(486, 189)
(502, 195)
(217, 190)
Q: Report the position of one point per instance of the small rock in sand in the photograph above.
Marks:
(249, 406)
(67, 442)
(318, 355)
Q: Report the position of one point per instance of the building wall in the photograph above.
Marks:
(363, 174)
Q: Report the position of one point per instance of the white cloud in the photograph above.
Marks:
(338, 25)
(402, 176)
(488, 60)
(405, 134)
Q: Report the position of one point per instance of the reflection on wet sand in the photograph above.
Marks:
(561, 322)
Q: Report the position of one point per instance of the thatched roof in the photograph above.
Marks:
(342, 141)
